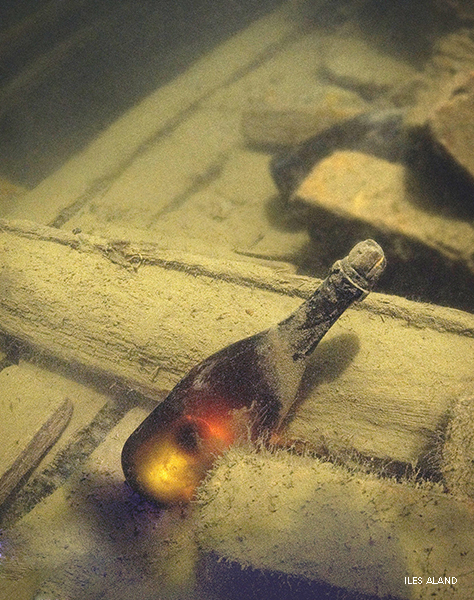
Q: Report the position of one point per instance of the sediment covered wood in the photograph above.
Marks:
(44, 438)
(299, 516)
(91, 171)
(382, 381)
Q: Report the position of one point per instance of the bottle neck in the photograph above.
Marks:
(305, 328)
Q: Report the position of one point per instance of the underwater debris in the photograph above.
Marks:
(46, 436)
(451, 126)
(379, 133)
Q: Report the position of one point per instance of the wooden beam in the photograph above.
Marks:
(299, 516)
(382, 381)
(28, 459)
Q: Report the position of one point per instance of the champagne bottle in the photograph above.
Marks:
(244, 391)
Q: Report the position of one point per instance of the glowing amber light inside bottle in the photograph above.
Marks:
(168, 465)
(219, 429)
(166, 472)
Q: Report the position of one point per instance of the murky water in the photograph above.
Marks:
(173, 177)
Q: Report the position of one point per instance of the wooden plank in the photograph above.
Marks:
(208, 199)
(91, 171)
(382, 381)
(30, 456)
(30, 395)
(298, 516)
(385, 202)
(163, 177)
(23, 408)
(150, 347)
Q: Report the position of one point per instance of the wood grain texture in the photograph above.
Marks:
(382, 381)
(299, 516)
(45, 437)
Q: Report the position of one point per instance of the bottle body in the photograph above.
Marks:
(167, 456)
